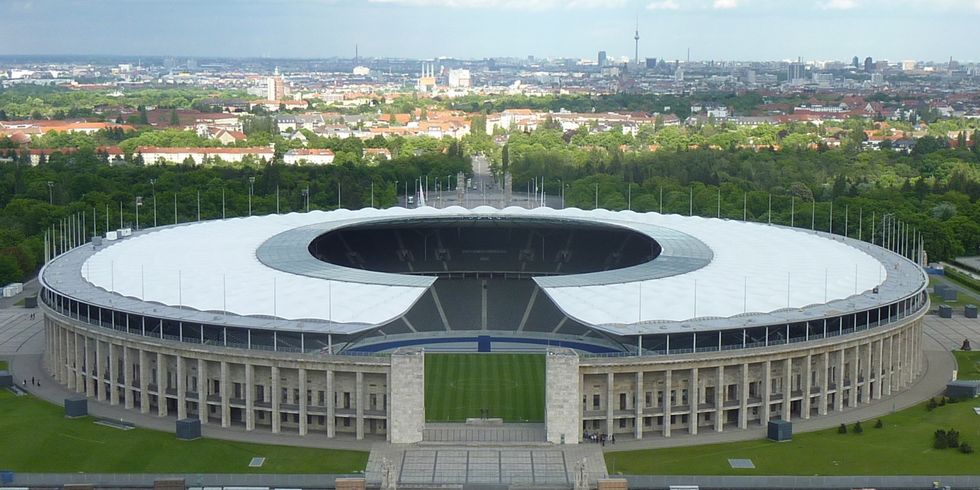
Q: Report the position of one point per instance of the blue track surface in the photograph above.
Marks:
(484, 344)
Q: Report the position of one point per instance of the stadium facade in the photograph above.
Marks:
(317, 324)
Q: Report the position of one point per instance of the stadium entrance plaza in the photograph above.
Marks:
(22, 341)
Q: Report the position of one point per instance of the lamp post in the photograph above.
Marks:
(153, 185)
(51, 192)
(139, 202)
(251, 186)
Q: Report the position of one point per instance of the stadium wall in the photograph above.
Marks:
(648, 396)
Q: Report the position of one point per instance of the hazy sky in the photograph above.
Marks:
(713, 29)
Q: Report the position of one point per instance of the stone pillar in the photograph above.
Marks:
(879, 368)
(90, 371)
(824, 382)
(868, 365)
(113, 375)
(562, 411)
(638, 400)
(144, 362)
(224, 387)
(127, 378)
(913, 357)
(202, 391)
(96, 374)
(787, 388)
(81, 360)
(889, 380)
(332, 406)
(407, 381)
(839, 381)
(743, 398)
(720, 400)
(249, 396)
(72, 364)
(765, 392)
(668, 403)
(852, 393)
(276, 398)
(807, 381)
(161, 385)
(302, 401)
(181, 388)
(359, 407)
(610, 380)
(694, 397)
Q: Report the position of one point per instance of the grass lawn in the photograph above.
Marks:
(458, 386)
(3, 365)
(967, 364)
(36, 437)
(902, 447)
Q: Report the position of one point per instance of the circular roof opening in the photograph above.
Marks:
(479, 246)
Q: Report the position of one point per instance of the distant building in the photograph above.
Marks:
(459, 78)
(361, 71)
(603, 60)
(275, 88)
(651, 63)
(310, 156)
(869, 64)
(156, 155)
(796, 71)
(855, 62)
(427, 81)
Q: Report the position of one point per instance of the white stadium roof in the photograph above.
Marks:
(212, 266)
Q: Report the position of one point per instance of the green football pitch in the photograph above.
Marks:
(460, 386)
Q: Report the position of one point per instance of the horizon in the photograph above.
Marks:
(714, 30)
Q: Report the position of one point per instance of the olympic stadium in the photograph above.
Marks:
(318, 324)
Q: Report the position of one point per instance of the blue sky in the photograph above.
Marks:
(712, 29)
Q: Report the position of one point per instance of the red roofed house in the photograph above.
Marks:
(312, 156)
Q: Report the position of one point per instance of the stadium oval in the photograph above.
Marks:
(662, 322)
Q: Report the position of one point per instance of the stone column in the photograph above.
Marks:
(96, 374)
(694, 397)
(668, 403)
(824, 382)
(638, 402)
(249, 396)
(787, 388)
(181, 388)
(900, 364)
(81, 360)
(144, 362)
(225, 389)
(71, 372)
(852, 393)
(302, 401)
(90, 371)
(839, 381)
(395, 393)
(889, 380)
(743, 398)
(720, 400)
(868, 365)
(113, 375)
(879, 368)
(359, 407)
(912, 347)
(202, 391)
(127, 378)
(765, 392)
(807, 381)
(162, 379)
(407, 381)
(610, 380)
(276, 398)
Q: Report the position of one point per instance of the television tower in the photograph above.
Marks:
(636, 42)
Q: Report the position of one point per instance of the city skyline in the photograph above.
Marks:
(472, 29)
